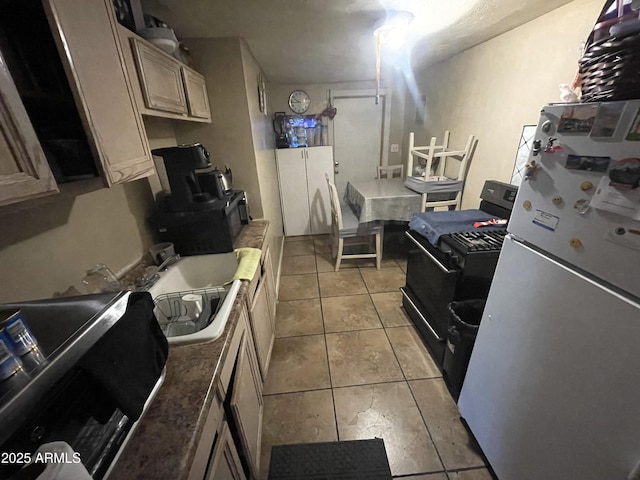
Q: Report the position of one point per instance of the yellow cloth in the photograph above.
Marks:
(248, 261)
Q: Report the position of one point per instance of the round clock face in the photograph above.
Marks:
(299, 101)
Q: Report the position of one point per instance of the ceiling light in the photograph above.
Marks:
(392, 33)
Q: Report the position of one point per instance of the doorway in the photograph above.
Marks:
(360, 135)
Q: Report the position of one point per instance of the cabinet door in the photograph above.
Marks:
(270, 286)
(86, 36)
(24, 171)
(262, 326)
(225, 463)
(160, 78)
(294, 195)
(319, 163)
(246, 404)
(196, 90)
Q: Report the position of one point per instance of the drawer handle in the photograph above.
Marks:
(424, 320)
(428, 254)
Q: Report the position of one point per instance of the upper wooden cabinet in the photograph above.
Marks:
(168, 87)
(87, 39)
(24, 171)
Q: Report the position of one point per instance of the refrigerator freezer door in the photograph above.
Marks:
(546, 212)
(553, 386)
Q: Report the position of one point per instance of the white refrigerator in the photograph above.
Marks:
(553, 386)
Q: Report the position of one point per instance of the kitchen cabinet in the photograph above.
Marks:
(168, 88)
(304, 194)
(225, 463)
(86, 36)
(24, 171)
(235, 412)
(98, 92)
(261, 304)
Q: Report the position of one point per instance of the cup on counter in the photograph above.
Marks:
(161, 251)
(192, 303)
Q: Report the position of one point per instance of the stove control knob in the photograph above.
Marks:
(586, 186)
(575, 243)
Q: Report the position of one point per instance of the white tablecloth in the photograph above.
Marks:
(383, 199)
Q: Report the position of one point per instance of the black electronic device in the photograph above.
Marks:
(280, 129)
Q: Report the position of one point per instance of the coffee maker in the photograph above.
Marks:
(279, 119)
(202, 214)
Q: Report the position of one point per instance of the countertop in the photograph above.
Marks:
(165, 442)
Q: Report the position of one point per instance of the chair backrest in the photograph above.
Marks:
(336, 212)
(389, 170)
(426, 152)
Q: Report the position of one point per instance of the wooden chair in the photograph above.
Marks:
(347, 231)
(442, 172)
(426, 152)
(390, 170)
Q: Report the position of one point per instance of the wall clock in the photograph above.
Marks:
(299, 101)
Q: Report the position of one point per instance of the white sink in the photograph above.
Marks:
(205, 275)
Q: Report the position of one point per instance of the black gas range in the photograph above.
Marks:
(451, 260)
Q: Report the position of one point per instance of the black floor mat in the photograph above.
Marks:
(357, 459)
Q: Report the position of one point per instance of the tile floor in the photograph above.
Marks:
(348, 364)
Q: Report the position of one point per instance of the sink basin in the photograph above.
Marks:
(203, 275)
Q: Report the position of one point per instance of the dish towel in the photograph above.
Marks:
(248, 261)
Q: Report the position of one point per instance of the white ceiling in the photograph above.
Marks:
(322, 41)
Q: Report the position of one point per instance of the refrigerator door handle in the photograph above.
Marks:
(428, 254)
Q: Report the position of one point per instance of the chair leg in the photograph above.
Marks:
(339, 254)
(378, 250)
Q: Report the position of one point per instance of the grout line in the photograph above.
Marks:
(296, 391)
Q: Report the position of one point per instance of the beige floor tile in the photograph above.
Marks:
(298, 238)
(387, 411)
(343, 314)
(298, 287)
(429, 476)
(383, 280)
(415, 360)
(325, 263)
(322, 243)
(298, 364)
(361, 357)
(348, 282)
(299, 317)
(477, 474)
(371, 263)
(455, 446)
(298, 264)
(305, 417)
(389, 307)
(403, 265)
(302, 247)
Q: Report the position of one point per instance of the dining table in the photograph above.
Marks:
(382, 200)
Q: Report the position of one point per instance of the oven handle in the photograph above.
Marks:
(428, 254)
(424, 320)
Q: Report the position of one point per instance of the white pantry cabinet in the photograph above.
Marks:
(303, 189)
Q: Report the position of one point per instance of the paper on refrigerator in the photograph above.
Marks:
(612, 199)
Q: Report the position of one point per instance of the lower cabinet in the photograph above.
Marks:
(225, 463)
(229, 447)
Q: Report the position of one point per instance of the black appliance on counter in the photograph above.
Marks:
(202, 214)
(95, 366)
(280, 129)
(459, 267)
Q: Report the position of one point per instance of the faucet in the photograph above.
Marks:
(151, 275)
(168, 261)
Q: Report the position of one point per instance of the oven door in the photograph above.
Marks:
(430, 287)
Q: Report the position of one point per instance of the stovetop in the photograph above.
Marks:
(480, 241)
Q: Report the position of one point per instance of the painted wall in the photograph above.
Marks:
(492, 90)
(47, 249)
(228, 137)
(263, 146)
